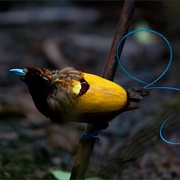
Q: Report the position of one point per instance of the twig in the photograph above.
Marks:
(121, 29)
(86, 148)
(55, 55)
(48, 15)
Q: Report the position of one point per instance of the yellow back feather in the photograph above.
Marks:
(102, 96)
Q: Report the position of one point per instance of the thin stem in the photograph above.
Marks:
(121, 29)
(86, 148)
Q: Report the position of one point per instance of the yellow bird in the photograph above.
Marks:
(71, 95)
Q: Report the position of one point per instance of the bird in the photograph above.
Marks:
(72, 95)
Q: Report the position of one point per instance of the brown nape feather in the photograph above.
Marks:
(68, 73)
(135, 96)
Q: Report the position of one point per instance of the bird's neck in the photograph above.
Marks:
(39, 97)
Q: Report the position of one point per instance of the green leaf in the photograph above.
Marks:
(60, 175)
(64, 175)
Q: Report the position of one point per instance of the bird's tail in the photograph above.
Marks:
(135, 95)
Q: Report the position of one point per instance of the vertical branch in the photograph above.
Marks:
(83, 156)
(121, 29)
(86, 148)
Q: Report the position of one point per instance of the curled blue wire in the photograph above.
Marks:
(161, 129)
(161, 75)
(149, 85)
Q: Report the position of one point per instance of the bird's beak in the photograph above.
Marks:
(19, 72)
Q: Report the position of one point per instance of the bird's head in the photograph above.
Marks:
(34, 77)
(38, 81)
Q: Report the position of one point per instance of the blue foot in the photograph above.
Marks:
(92, 135)
(86, 137)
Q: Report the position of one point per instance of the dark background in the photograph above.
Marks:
(56, 34)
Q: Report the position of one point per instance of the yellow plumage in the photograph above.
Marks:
(102, 96)
(76, 87)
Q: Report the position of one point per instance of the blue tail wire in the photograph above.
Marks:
(161, 134)
(147, 84)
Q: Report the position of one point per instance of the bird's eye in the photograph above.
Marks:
(36, 73)
(39, 74)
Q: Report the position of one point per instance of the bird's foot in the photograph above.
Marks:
(90, 136)
(87, 137)
(93, 133)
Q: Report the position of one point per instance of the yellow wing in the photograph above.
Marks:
(102, 96)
